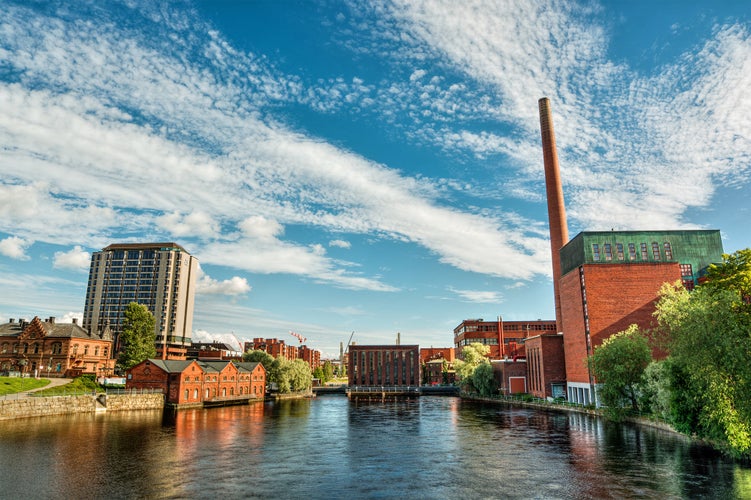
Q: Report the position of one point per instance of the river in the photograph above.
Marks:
(328, 447)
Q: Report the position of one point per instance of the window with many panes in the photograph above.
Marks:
(595, 251)
(668, 251)
(655, 250)
(631, 251)
(608, 252)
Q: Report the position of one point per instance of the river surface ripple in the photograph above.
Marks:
(329, 447)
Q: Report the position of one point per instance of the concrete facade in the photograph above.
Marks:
(160, 276)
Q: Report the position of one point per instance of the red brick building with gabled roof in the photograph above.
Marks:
(197, 383)
(51, 349)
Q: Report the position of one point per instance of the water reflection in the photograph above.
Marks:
(431, 447)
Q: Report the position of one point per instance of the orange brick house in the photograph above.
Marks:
(197, 383)
(51, 349)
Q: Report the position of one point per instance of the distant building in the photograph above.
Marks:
(505, 338)
(546, 366)
(433, 353)
(199, 383)
(437, 365)
(160, 276)
(384, 365)
(212, 351)
(278, 348)
(310, 356)
(275, 347)
(51, 349)
(611, 279)
(510, 375)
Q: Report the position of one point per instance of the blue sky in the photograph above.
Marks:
(359, 166)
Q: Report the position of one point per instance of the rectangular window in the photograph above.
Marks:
(644, 254)
(631, 251)
(619, 250)
(608, 252)
(595, 251)
(668, 251)
(656, 250)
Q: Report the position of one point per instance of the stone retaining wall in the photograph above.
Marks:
(61, 405)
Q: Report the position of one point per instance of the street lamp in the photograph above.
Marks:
(49, 367)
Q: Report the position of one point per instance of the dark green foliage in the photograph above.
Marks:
(138, 337)
(618, 365)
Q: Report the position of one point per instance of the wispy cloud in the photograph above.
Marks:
(170, 142)
(479, 296)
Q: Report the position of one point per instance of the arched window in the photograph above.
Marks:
(57, 348)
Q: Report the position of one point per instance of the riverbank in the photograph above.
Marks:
(544, 405)
(86, 403)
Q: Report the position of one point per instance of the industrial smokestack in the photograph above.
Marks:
(556, 206)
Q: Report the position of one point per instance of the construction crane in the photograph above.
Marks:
(349, 341)
(342, 352)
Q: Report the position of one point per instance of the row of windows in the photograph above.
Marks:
(55, 348)
(607, 252)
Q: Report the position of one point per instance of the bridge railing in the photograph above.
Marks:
(384, 388)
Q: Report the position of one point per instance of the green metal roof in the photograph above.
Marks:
(696, 247)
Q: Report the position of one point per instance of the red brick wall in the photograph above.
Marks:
(546, 364)
(618, 295)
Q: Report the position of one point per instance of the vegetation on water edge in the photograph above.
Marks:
(703, 387)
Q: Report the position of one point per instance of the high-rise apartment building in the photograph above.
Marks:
(160, 276)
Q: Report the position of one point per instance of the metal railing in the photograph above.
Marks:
(384, 388)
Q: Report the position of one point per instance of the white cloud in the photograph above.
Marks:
(194, 224)
(479, 296)
(76, 258)
(15, 247)
(70, 316)
(233, 286)
(340, 244)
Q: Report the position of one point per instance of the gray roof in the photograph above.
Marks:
(49, 328)
(171, 365)
(178, 366)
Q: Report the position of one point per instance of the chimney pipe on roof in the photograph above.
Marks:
(556, 207)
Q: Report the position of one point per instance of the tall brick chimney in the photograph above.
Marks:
(556, 207)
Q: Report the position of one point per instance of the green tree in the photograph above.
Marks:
(290, 376)
(618, 365)
(318, 373)
(258, 356)
(328, 371)
(473, 355)
(483, 380)
(710, 348)
(655, 395)
(734, 274)
(138, 337)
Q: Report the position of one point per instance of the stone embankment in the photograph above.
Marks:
(90, 403)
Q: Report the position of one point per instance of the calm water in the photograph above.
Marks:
(431, 447)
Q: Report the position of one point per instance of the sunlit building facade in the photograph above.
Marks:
(160, 276)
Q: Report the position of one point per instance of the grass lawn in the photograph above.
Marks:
(12, 385)
(80, 385)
